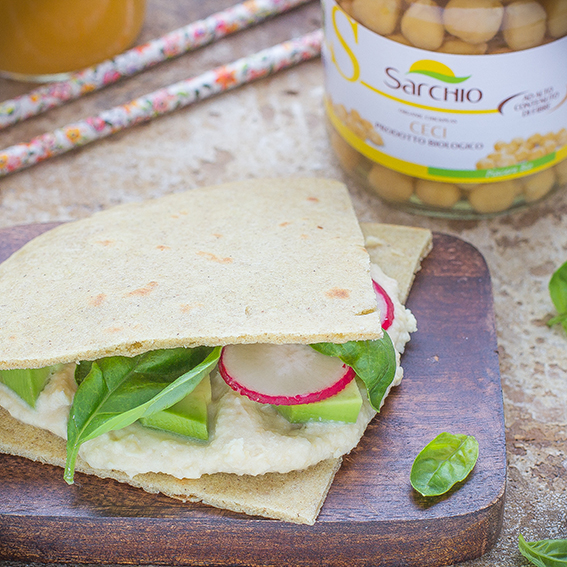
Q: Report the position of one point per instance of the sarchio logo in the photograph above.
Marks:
(447, 91)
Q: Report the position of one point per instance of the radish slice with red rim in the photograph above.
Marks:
(385, 305)
(283, 374)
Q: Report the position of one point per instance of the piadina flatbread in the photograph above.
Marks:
(261, 261)
(274, 261)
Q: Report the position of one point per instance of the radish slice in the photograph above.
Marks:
(385, 305)
(283, 374)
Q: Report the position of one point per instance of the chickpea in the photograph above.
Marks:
(535, 139)
(346, 5)
(556, 17)
(358, 125)
(348, 157)
(561, 137)
(341, 112)
(536, 153)
(500, 49)
(493, 197)
(437, 194)
(375, 138)
(366, 126)
(539, 184)
(459, 47)
(485, 163)
(389, 184)
(549, 146)
(422, 25)
(381, 16)
(524, 24)
(561, 172)
(522, 154)
(505, 160)
(473, 21)
(398, 37)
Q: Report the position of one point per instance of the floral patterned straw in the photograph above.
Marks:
(137, 59)
(161, 102)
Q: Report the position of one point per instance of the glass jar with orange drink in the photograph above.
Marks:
(45, 39)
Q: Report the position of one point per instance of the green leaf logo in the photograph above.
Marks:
(436, 70)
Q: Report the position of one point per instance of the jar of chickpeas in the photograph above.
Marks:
(452, 108)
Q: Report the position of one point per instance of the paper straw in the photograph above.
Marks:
(137, 59)
(160, 102)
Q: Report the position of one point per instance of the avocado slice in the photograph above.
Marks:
(188, 417)
(28, 383)
(344, 406)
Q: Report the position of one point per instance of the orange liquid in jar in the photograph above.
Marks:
(50, 37)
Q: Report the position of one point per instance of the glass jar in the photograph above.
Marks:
(451, 108)
(42, 40)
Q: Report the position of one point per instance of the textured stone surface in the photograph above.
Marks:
(276, 127)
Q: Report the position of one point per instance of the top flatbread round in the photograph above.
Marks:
(278, 261)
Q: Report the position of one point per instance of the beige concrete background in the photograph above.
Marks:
(276, 127)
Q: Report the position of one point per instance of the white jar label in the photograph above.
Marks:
(454, 118)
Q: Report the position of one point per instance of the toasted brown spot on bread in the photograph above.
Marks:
(105, 242)
(214, 258)
(313, 199)
(97, 300)
(114, 329)
(146, 290)
(367, 312)
(163, 247)
(338, 293)
(186, 307)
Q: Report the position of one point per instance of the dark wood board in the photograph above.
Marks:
(371, 516)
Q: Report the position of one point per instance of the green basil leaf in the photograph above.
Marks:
(446, 460)
(28, 383)
(116, 391)
(373, 361)
(545, 553)
(558, 294)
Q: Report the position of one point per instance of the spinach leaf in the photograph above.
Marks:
(373, 361)
(28, 383)
(116, 391)
(545, 553)
(558, 293)
(446, 460)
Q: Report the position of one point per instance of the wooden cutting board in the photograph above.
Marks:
(372, 516)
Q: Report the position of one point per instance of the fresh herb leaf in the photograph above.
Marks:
(446, 460)
(116, 391)
(28, 383)
(558, 293)
(373, 361)
(545, 553)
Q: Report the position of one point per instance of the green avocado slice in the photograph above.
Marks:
(28, 383)
(188, 417)
(344, 407)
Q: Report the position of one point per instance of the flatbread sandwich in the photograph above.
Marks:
(227, 344)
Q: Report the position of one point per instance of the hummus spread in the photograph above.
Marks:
(247, 437)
